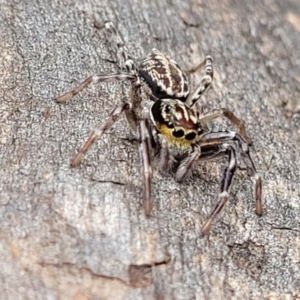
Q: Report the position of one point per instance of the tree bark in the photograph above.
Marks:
(81, 233)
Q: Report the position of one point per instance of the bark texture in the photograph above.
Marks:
(81, 233)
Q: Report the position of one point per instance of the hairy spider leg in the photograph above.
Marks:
(223, 112)
(204, 83)
(95, 79)
(219, 138)
(145, 154)
(113, 117)
(196, 68)
(166, 159)
(123, 58)
(225, 185)
(186, 165)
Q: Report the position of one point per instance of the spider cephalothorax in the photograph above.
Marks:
(163, 116)
(178, 122)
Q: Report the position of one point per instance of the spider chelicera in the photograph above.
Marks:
(161, 115)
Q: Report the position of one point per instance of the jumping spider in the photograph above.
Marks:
(161, 114)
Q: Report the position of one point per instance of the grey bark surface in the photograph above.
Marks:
(81, 233)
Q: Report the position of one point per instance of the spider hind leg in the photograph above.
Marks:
(122, 56)
(113, 117)
(204, 83)
(95, 79)
(225, 185)
(221, 138)
(145, 155)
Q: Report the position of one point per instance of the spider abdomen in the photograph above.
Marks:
(164, 76)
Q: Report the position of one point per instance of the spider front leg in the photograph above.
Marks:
(204, 83)
(95, 79)
(214, 138)
(145, 152)
(223, 112)
(225, 185)
(113, 117)
(186, 165)
(166, 159)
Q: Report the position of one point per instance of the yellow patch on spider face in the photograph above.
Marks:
(178, 142)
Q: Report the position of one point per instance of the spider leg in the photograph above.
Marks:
(166, 159)
(95, 79)
(196, 68)
(225, 185)
(204, 83)
(113, 117)
(223, 112)
(122, 55)
(211, 152)
(212, 138)
(145, 149)
(135, 102)
(187, 164)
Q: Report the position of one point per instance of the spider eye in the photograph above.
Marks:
(178, 133)
(200, 131)
(190, 136)
(170, 125)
